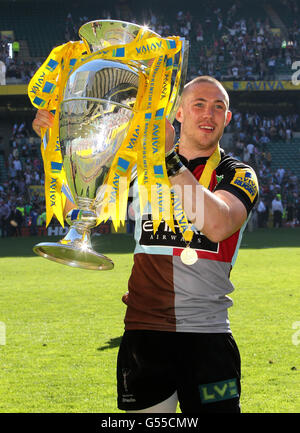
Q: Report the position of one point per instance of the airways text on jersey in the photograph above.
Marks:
(164, 236)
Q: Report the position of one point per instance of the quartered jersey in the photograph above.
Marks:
(167, 295)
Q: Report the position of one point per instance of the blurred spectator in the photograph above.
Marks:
(41, 219)
(4, 217)
(2, 73)
(17, 219)
(262, 213)
(277, 211)
(16, 49)
(291, 201)
(33, 220)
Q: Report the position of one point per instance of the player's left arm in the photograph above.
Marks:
(236, 214)
(220, 213)
(216, 214)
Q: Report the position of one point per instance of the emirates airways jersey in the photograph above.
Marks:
(167, 295)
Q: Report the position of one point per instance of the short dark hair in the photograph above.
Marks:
(207, 79)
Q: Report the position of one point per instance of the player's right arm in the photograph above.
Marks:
(43, 119)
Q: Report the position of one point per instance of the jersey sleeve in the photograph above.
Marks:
(240, 180)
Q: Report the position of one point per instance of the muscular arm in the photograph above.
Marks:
(218, 215)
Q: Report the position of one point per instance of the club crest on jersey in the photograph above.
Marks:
(246, 181)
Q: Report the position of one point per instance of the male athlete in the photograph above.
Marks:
(178, 344)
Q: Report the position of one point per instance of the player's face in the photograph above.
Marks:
(203, 115)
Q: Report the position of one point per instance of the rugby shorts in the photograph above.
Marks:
(204, 369)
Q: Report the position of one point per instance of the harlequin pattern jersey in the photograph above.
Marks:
(167, 295)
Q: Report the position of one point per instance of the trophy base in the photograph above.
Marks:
(73, 256)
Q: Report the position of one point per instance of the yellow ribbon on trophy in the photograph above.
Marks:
(144, 142)
(45, 91)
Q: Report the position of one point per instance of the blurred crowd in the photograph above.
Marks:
(260, 130)
(22, 203)
(224, 44)
(243, 49)
(252, 135)
(12, 67)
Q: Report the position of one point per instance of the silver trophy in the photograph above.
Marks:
(95, 113)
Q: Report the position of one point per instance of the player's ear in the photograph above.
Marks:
(228, 117)
(179, 114)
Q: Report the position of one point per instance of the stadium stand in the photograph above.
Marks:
(248, 45)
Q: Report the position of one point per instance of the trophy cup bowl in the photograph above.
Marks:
(95, 113)
(92, 127)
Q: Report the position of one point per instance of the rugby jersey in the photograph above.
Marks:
(167, 295)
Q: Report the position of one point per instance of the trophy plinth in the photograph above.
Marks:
(72, 254)
(75, 249)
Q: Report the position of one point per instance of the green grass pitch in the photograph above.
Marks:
(62, 325)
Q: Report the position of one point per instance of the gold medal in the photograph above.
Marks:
(188, 256)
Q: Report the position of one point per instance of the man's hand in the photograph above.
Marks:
(43, 119)
(170, 135)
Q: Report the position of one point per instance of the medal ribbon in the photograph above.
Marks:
(205, 178)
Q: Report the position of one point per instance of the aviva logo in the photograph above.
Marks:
(159, 114)
(39, 101)
(171, 44)
(123, 165)
(48, 87)
(56, 167)
(158, 171)
(72, 62)
(169, 63)
(246, 180)
(51, 65)
(218, 391)
(147, 48)
(119, 52)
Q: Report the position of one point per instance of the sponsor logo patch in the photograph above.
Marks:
(123, 164)
(51, 65)
(158, 171)
(56, 167)
(246, 180)
(224, 390)
(119, 52)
